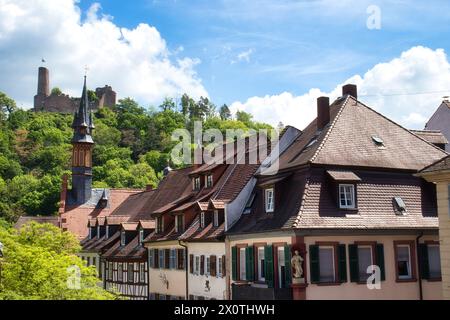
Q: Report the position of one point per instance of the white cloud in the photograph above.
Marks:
(136, 62)
(387, 87)
(244, 56)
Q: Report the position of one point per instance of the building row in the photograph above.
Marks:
(349, 213)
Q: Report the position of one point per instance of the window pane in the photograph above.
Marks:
(242, 275)
(261, 264)
(326, 264)
(364, 261)
(403, 262)
(434, 260)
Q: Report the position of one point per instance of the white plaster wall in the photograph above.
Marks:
(197, 282)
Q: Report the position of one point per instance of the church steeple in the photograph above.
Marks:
(83, 143)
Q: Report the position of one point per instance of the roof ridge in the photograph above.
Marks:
(399, 125)
(330, 129)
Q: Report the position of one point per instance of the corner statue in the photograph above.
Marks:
(296, 263)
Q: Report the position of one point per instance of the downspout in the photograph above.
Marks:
(186, 267)
(420, 266)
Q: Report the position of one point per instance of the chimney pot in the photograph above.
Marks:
(350, 89)
(323, 112)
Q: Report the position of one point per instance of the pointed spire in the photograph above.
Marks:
(83, 123)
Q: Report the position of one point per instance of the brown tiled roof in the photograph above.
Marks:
(131, 251)
(23, 220)
(208, 233)
(376, 209)
(101, 221)
(96, 245)
(347, 141)
(339, 175)
(432, 136)
(116, 220)
(441, 165)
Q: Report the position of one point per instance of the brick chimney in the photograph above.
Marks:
(323, 112)
(350, 89)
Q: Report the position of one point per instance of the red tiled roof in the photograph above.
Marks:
(132, 250)
(129, 226)
(339, 175)
(116, 220)
(208, 233)
(147, 224)
(75, 219)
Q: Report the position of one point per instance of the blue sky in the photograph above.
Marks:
(293, 45)
(269, 57)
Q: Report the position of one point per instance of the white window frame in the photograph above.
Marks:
(269, 193)
(216, 218)
(161, 258)
(342, 189)
(333, 257)
(209, 181)
(90, 232)
(159, 224)
(242, 266)
(410, 274)
(195, 181)
(141, 236)
(371, 259)
(107, 232)
(142, 272)
(197, 265)
(173, 259)
(219, 267)
(98, 232)
(207, 265)
(122, 238)
(259, 259)
(202, 219)
(119, 272)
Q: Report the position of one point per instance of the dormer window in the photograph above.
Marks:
(122, 238)
(269, 200)
(202, 219)
(179, 226)
(141, 236)
(159, 224)
(209, 181)
(216, 218)
(197, 183)
(347, 196)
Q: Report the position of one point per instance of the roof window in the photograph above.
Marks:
(400, 206)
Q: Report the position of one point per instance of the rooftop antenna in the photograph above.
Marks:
(86, 69)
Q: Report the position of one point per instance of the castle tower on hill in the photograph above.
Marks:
(47, 101)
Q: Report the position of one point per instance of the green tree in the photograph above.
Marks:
(225, 113)
(39, 264)
(56, 91)
(7, 106)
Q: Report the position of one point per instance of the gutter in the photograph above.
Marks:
(186, 267)
(420, 266)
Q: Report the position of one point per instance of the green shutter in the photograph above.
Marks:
(234, 263)
(380, 261)
(249, 263)
(354, 264)
(287, 264)
(314, 265)
(268, 257)
(342, 260)
(424, 265)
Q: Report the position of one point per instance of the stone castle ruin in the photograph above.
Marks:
(62, 103)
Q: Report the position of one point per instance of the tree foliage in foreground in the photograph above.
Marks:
(38, 264)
